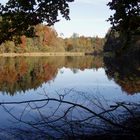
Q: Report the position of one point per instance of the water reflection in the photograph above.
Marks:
(23, 73)
(69, 113)
(125, 72)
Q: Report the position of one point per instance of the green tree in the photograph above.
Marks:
(126, 17)
(18, 17)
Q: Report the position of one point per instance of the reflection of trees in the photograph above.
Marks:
(82, 63)
(74, 120)
(125, 72)
(21, 74)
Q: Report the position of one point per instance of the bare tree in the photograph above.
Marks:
(58, 118)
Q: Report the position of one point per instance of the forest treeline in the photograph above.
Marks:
(121, 45)
(46, 39)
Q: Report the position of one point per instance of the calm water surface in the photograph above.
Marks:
(27, 78)
(79, 79)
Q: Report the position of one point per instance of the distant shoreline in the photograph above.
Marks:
(41, 54)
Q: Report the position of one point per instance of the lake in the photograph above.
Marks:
(93, 82)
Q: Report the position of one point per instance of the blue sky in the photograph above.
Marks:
(88, 18)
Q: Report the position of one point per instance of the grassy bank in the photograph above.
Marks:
(40, 54)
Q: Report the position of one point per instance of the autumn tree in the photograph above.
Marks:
(18, 17)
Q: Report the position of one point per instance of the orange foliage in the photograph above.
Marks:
(23, 41)
(46, 35)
